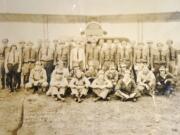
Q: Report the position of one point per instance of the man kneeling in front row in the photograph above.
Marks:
(79, 86)
(58, 84)
(37, 78)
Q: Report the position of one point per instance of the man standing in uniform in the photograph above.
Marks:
(46, 56)
(39, 46)
(93, 54)
(159, 57)
(118, 48)
(124, 54)
(106, 58)
(3, 49)
(113, 52)
(58, 85)
(62, 53)
(20, 47)
(77, 54)
(172, 57)
(141, 57)
(55, 42)
(13, 64)
(29, 57)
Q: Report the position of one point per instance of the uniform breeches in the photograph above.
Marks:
(36, 84)
(12, 76)
(79, 92)
(173, 67)
(26, 69)
(55, 91)
(49, 67)
(2, 73)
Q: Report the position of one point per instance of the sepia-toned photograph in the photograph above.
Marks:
(89, 67)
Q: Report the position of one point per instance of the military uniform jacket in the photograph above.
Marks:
(141, 54)
(107, 54)
(62, 53)
(172, 54)
(160, 55)
(92, 53)
(2, 52)
(77, 55)
(113, 52)
(46, 53)
(124, 53)
(13, 57)
(29, 54)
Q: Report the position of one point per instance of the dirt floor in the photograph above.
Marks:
(24, 113)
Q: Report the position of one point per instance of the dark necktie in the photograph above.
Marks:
(47, 51)
(124, 52)
(62, 52)
(170, 52)
(13, 56)
(141, 54)
(109, 55)
(93, 52)
(78, 54)
(160, 54)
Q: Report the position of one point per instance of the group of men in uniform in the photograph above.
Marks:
(104, 66)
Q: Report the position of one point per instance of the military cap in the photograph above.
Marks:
(116, 41)
(169, 42)
(123, 41)
(159, 44)
(5, 40)
(12, 45)
(140, 43)
(21, 42)
(29, 43)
